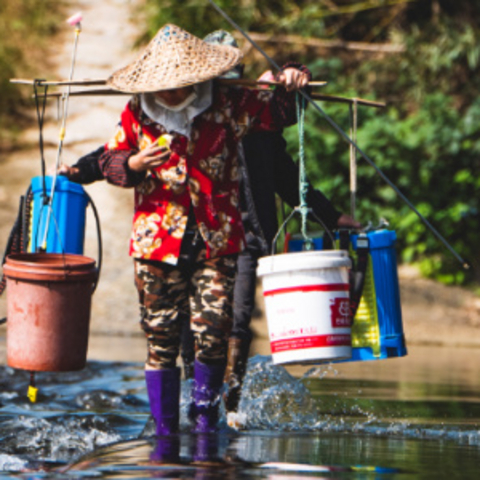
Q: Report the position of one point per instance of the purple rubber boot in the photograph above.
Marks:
(206, 449)
(208, 381)
(166, 450)
(163, 387)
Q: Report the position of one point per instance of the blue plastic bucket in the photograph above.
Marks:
(66, 227)
(377, 330)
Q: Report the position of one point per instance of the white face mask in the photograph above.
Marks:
(177, 108)
(178, 118)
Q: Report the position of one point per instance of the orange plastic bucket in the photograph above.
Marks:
(48, 310)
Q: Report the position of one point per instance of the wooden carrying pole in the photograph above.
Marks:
(65, 83)
(359, 101)
(97, 83)
(325, 98)
(242, 82)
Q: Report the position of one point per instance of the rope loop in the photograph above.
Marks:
(40, 108)
(303, 182)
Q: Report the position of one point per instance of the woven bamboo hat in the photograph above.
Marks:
(174, 58)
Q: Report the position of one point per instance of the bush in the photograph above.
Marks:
(426, 141)
(26, 27)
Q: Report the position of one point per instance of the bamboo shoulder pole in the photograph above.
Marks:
(325, 98)
(103, 82)
(66, 83)
(360, 101)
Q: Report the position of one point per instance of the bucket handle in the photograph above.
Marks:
(290, 216)
(99, 240)
(57, 229)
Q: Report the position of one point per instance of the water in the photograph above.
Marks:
(366, 420)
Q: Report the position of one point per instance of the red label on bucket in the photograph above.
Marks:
(316, 341)
(327, 287)
(340, 312)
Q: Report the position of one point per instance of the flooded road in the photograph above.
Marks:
(417, 417)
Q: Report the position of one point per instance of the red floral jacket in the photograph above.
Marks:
(201, 173)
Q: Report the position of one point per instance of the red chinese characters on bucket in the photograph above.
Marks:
(294, 332)
(285, 311)
(314, 341)
(340, 312)
(338, 340)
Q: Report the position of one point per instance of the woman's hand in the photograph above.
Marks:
(66, 171)
(148, 158)
(293, 79)
(346, 221)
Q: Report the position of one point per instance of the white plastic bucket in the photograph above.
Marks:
(307, 306)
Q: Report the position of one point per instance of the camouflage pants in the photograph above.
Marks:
(201, 291)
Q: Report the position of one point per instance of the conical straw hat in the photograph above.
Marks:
(173, 59)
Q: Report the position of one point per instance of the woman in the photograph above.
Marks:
(187, 228)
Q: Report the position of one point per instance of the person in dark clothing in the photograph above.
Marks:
(268, 171)
(86, 170)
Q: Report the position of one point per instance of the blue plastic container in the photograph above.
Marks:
(377, 330)
(66, 227)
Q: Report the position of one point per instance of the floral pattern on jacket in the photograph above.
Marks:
(201, 173)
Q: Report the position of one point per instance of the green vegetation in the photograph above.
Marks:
(26, 27)
(426, 141)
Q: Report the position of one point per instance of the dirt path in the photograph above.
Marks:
(104, 45)
(433, 314)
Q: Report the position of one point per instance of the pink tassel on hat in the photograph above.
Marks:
(74, 20)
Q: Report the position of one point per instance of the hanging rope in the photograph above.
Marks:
(304, 210)
(353, 156)
(40, 120)
(303, 182)
(43, 246)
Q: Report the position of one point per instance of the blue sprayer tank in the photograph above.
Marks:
(377, 330)
(66, 229)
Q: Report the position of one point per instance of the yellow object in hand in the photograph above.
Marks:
(165, 141)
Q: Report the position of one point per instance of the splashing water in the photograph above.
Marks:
(56, 438)
(272, 399)
(81, 412)
(73, 414)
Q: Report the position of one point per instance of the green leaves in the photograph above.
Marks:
(427, 141)
(428, 155)
(25, 29)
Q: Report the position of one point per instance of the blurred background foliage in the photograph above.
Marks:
(26, 31)
(422, 58)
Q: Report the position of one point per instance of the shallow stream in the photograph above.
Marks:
(415, 417)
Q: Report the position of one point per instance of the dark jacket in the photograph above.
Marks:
(271, 170)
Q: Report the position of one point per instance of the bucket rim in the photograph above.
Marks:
(53, 260)
(306, 260)
(45, 267)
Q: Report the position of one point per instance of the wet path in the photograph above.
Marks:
(104, 45)
(449, 316)
(337, 422)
